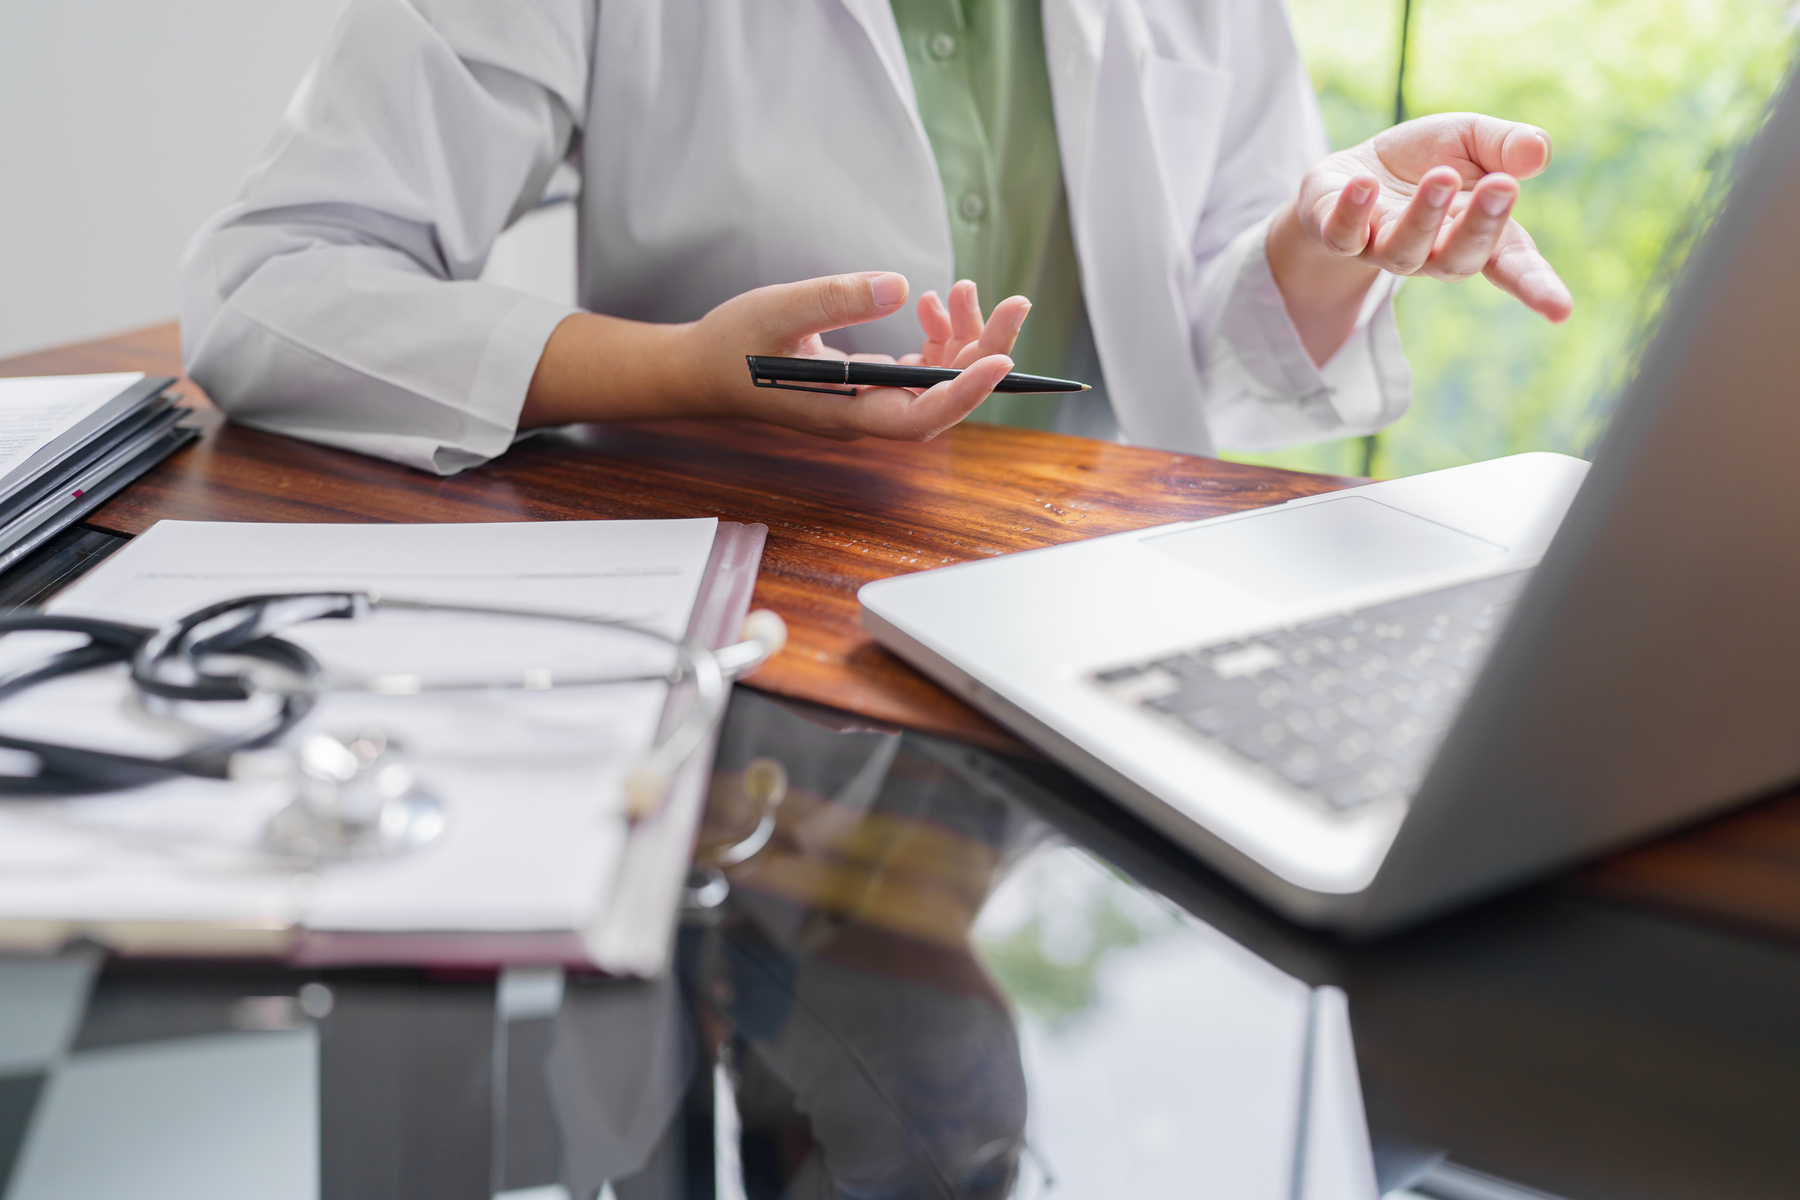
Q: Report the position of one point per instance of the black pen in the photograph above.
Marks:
(792, 374)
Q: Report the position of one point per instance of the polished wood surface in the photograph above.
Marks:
(1741, 872)
(840, 515)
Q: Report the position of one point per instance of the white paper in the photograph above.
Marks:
(34, 412)
(531, 781)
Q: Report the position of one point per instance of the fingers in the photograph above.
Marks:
(1344, 229)
(1405, 244)
(793, 315)
(955, 335)
(1475, 234)
(1484, 238)
(934, 318)
(965, 319)
(792, 311)
(899, 414)
(1352, 204)
(1000, 333)
(1517, 268)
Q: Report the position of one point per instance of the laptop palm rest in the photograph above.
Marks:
(1294, 553)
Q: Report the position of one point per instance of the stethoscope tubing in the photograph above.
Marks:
(167, 665)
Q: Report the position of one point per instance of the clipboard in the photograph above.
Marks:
(632, 931)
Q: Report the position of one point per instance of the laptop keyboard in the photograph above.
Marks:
(1350, 708)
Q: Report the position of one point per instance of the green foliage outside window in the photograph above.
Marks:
(1060, 922)
(1647, 102)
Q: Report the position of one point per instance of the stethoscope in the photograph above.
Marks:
(356, 794)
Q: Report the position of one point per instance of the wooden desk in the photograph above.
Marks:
(840, 515)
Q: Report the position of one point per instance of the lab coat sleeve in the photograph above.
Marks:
(1262, 389)
(338, 298)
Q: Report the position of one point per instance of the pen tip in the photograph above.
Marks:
(1087, 387)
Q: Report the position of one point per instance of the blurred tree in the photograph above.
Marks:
(1647, 102)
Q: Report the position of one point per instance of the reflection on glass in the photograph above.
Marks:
(1047, 933)
(869, 1053)
(1161, 1059)
(915, 988)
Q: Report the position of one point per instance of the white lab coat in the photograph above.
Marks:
(724, 145)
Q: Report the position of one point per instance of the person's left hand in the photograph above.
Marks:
(1434, 197)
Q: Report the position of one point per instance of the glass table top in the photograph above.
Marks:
(930, 972)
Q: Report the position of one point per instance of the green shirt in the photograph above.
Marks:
(984, 94)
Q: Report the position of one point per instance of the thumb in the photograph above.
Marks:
(1521, 151)
(799, 310)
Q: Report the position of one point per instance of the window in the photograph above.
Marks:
(1647, 102)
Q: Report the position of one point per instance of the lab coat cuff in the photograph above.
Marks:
(1274, 394)
(497, 394)
(1370, 381)
(1257, 331)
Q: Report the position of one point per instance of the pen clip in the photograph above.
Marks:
(765, 382)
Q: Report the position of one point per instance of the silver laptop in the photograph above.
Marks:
(1371, 705)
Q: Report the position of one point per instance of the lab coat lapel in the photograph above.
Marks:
(876, 17)
(877, 20)
(1073, 31)
(1134, 267)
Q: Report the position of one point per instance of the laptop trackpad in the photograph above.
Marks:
(1292, 554)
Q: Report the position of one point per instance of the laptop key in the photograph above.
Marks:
(1183, 666)
(1302, 767)
(1211, 721)
(1264, 743)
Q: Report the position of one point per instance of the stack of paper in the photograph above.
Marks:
(539, 862)
(68, 442)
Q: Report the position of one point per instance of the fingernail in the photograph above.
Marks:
(1438, 194)
(887, 288)
(1019, 321)
(1360, 191)
(1495, 201)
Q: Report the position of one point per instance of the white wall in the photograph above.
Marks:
(123, 125)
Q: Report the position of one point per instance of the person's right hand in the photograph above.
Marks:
(601, 368)
(787, 319)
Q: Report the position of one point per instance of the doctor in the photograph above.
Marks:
(777, 178)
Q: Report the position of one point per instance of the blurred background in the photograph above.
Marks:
(123, 125)
(1646, 101)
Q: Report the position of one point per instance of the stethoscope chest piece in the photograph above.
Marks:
(356, 797)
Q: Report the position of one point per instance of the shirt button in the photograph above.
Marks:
(972, 207)
(942, 45)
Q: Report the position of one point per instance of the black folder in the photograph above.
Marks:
(137, 429)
